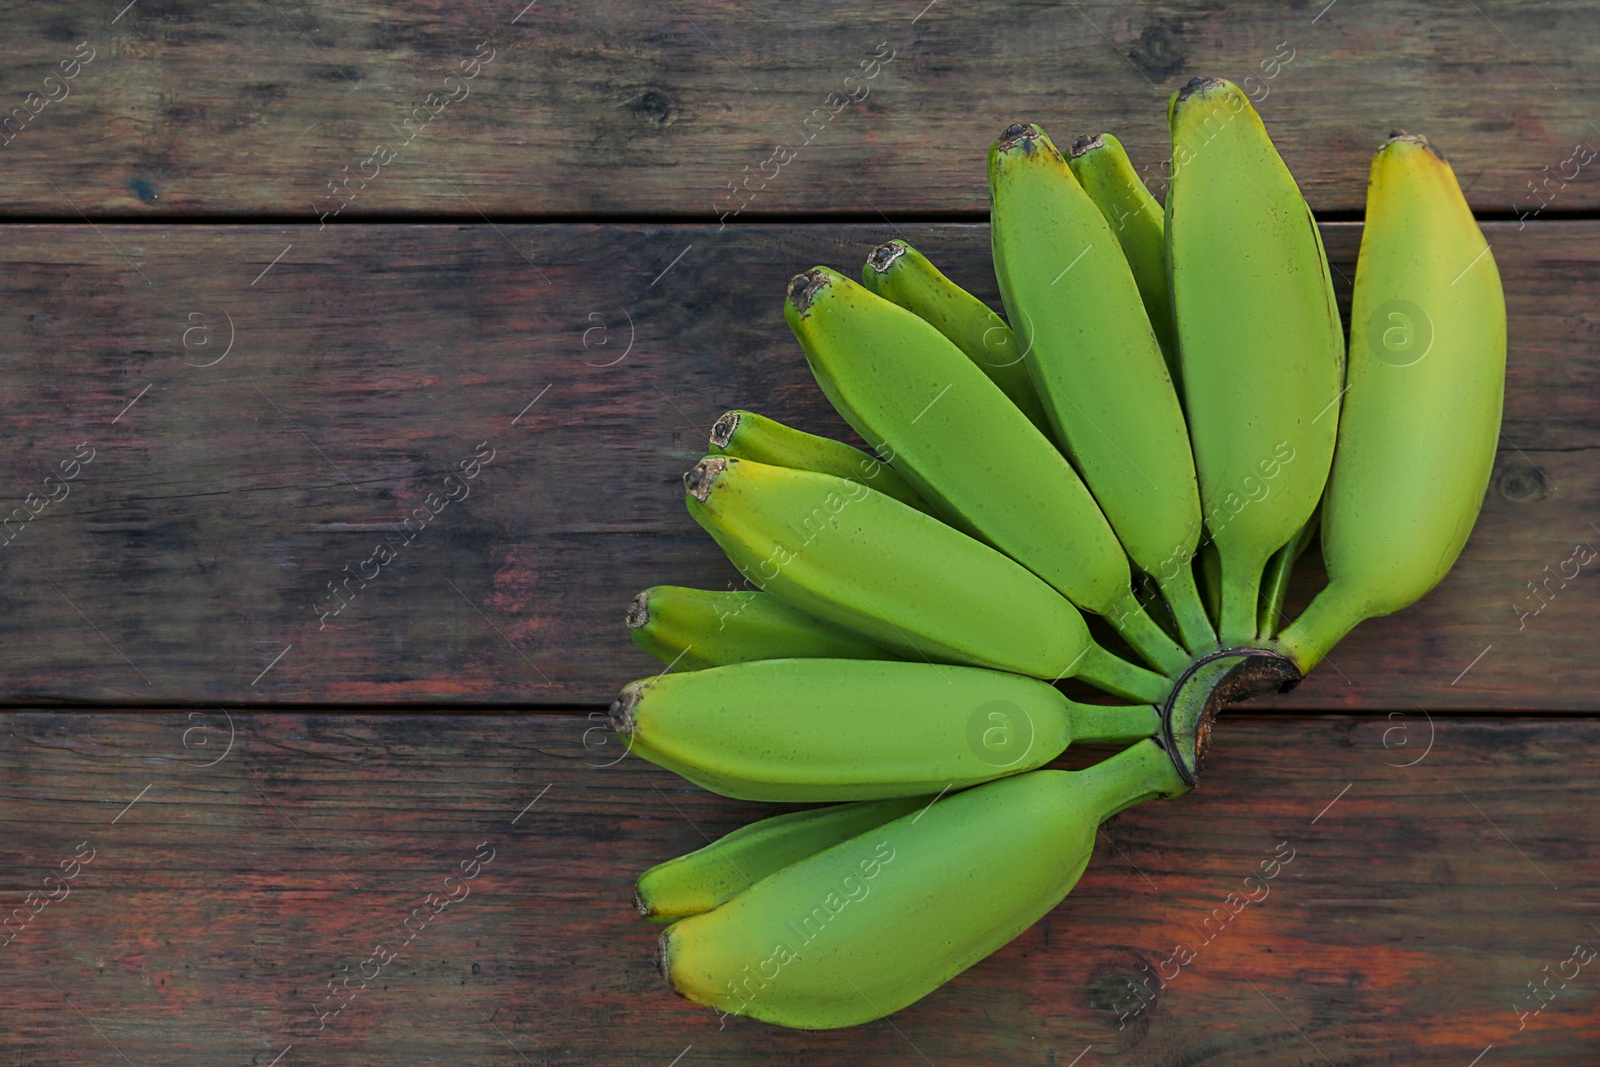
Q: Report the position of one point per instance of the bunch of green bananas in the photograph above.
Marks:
(1151, 436)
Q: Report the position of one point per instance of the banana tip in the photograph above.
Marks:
(1019, 134)
(638, 902)
(661, 958)
(622, 720)
(722, 431)
(880, 259)
(698, 481)
(803, 288)
(1419, 139)
(639, 611)
(1086, 144)
(1198, 85)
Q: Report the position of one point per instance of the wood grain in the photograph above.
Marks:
(265, 403)
(193, 557)
(1417, 904)
(630, 107)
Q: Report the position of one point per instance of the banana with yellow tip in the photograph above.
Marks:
(1421, 418)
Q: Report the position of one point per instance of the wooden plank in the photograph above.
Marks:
(229, 488)
(221, 900)
(636, 107)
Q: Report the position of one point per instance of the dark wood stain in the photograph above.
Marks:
(738, 84)
(368, 362)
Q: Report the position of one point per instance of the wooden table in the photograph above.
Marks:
(271, 272)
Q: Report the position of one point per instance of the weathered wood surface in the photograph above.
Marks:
(193, 557)
(221, 900)
(641, 107)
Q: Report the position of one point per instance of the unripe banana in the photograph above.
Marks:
(1280, 568)
(691, 629)
(849, 555)
(1103, 168)
(1259, 336)
(1422, 415)
(1095, 362)
(966, 448)
(792, 730)
(864, 928)
(748, 435)
(707, 877)
(1210, 578)
(899, 273)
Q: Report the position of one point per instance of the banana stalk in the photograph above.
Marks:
(1275, 585)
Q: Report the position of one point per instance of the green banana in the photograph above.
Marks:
(966, 448)
(820, 729)
(1259, 336)
(1421, 418)
(693, 629)
(849, 555)
(707, 877)
(900, 274)
(1096, 363)
(748, 435)
(1210, 579)
(870, 925)
(1280, 568)
(917, 606)
(1103, 168)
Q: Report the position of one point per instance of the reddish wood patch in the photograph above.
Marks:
(1416, 905)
